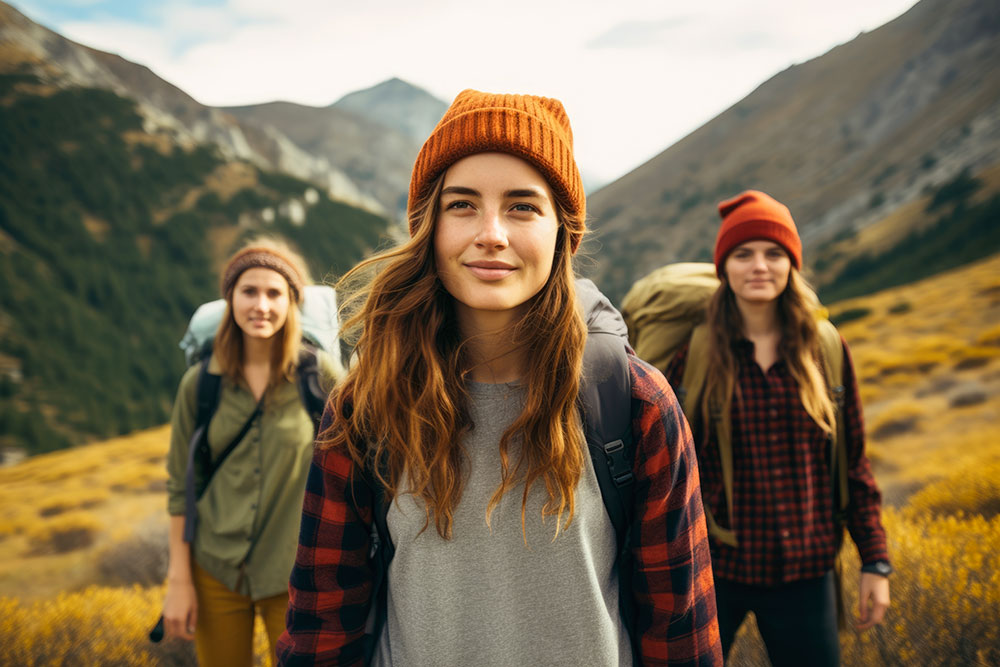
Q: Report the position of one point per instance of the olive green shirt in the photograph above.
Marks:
(248, 517)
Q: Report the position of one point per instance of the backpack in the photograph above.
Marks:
(319, 332)
(606, 412)
(667, 308)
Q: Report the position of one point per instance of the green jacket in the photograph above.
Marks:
(248, 518)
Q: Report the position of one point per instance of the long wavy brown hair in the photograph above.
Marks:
(799, 347)
(286, 342)
(403, 408)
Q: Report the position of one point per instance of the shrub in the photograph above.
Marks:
(66, 532)
(63, 502)
(974, 489)
(97, 626)
(945, 597)
(140, 559)
(895, 420)
(900, 307)
(849, 315)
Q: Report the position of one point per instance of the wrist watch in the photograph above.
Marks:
(879, 567)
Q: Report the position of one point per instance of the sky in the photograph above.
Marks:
(635, 76)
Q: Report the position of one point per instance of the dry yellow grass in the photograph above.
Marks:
(106, 489)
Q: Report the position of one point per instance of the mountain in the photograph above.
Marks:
(170, 109)
(399, 105)
(373, 135)
(113, 228)
(851, 141)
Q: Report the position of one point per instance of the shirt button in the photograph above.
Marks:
(256, 471)
(784, 534)
(773, 413)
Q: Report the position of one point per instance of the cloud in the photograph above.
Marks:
(638, 34)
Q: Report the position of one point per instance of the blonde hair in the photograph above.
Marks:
(799, 347)
(286, 343)
(403, 407)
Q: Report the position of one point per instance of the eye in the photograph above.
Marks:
(458, 204)
(274, 293)
(524, 208)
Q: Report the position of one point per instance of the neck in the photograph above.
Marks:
(760, 319)
(495, 356)
(256, 351)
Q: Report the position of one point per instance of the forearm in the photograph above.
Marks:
(179, 564)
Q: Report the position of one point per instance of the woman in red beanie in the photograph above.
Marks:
(453, 515)
(770, 496)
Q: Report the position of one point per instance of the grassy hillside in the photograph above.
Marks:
(109, 238)
(928, 360)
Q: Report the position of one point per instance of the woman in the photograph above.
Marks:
(243, 549)
(461, 412)
(774, 535)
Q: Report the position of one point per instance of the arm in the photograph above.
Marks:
(864, 510)
(180, 605)
(330, 586)
(864, 520)
(672, 579)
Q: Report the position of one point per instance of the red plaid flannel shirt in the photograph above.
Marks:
(330, 587)
(782, 482)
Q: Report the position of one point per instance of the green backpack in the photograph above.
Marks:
(666, 309)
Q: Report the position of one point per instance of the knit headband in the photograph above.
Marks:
(263, 257)
(533, 128)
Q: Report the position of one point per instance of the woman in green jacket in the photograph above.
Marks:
(238, 563)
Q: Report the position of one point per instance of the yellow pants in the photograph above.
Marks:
(224, 632)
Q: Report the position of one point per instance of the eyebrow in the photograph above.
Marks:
(519, 192)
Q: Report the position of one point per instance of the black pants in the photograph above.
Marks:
(797, 621)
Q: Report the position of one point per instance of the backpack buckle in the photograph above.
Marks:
(621, 470)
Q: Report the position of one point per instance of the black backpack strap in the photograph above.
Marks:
(199, 455)
(382, 551)
(310, 388)
(606, 412)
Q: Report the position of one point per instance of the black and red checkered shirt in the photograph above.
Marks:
(782, 484)
(673, 588)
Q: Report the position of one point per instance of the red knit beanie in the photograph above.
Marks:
(533, 128)
(754, 215)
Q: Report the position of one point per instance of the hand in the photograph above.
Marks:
(180, 610)
(873, 600)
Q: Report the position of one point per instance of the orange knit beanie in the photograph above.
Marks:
(754, 215)
(533, 128)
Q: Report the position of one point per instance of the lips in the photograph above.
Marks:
(489, 270)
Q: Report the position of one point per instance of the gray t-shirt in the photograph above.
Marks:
(484, 597)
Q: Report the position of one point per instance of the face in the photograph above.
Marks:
(260, 302)
(758, 271)
(495, 237)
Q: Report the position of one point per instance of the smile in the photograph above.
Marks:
(490, 271)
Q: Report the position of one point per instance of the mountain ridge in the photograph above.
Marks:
(843, 139)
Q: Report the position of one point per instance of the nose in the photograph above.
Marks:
(759, 262)
(262, 302)
(492, 232)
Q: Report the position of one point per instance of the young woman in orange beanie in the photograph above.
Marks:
(459, 426)
(233, 563)
(771, 496)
